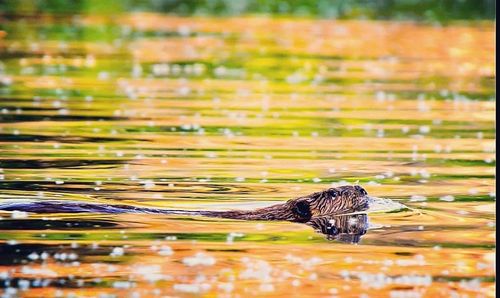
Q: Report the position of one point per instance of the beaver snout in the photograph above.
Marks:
(362, 204)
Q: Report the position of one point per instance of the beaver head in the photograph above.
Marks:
(337, 200)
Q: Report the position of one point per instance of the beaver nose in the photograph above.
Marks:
(361, 190)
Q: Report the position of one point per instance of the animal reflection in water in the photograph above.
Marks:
(344, 228)
(327, 211)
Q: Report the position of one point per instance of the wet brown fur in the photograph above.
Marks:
(332, 201)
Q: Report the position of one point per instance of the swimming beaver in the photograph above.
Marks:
(332, 201)
(325, 211)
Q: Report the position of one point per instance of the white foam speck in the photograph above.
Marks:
(18, 214)
(122, 285)
(417, 198)
(447, 198)
(199, 259)
(165, 251)
(226, 287)
(266, 288)
(192, 288)
(117, 252)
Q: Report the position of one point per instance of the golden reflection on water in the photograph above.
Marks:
(205, 113)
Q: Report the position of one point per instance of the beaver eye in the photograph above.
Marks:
(333, 193)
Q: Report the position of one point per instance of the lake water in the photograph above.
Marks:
(206, 113)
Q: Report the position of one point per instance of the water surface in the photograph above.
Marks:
(199, 113)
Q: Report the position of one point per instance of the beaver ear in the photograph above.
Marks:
(302, 211)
